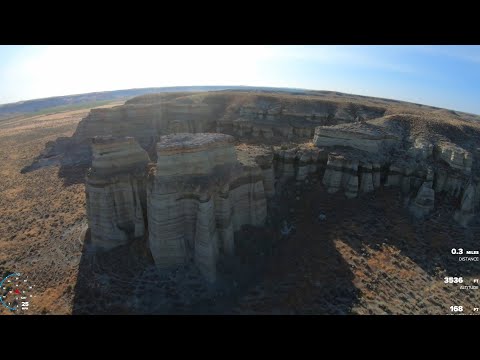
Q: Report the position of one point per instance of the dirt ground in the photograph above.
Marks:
(367, 256)
(41, 218)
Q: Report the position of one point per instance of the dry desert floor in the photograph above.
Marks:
(42, 218)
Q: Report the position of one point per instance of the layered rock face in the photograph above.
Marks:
(144, 122)
(242, 114)
(351, 171)
(353, 176)
(360, 136)
(267, 116)
(341, 173)
(455, 156)
(199, 194)
(192, 200)
(177, 187)
(298, 163)
(116, 191)
(363, 157)
(203, 188)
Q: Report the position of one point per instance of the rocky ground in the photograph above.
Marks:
(362, 256)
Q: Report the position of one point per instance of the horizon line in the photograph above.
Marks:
(236, 86)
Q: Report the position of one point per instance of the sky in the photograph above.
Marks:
(443, 76)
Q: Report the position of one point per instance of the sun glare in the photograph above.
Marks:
(67, 69)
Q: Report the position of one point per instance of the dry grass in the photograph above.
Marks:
(433, 126)
(41, 219)
(367, 257)
(236, 98)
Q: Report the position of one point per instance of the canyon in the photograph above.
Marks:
(182, 175)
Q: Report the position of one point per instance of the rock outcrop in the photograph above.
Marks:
(203, 186)
(455, 156)
(199, 194)
(298, 163)
(401, 152)
(263, 117)
(115, 191)
(341, 174)
(394, 152)
(420, 148)
(193, 200)
(362, 136)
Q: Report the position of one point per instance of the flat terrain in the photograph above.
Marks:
(42, 219)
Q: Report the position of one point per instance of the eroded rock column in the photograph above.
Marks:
(198, 195)
(115, 191)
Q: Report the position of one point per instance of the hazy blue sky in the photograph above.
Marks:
(444, 76)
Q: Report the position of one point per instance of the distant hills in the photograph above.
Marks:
(78, 101)
(69, 101)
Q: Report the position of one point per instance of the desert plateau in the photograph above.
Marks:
(243, 201)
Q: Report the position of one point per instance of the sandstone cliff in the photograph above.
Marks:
(405, 153)
(362, 136)
(199, 194)
(265, 117)
(192, 201)
(206, 187)
(115, 191)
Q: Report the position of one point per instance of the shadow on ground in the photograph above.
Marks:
(125, 281)
(269, 274)
(306, 272)
(382, 219)
(70, 174)
(72, 157)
